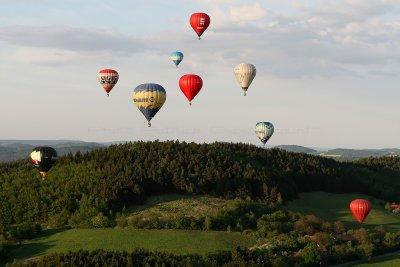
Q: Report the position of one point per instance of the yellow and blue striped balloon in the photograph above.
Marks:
(149, 98)
(264, 131)
(177, 57)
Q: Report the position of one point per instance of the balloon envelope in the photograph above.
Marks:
(149, 98)
(108, 78)
(43, 158)
(360, 209)
(177, 57)
(245, 74)
(264, 131)
(199, 22)
(190, 85)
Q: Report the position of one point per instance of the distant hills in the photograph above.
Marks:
(11, 150)
(343, 153)
(298, 149)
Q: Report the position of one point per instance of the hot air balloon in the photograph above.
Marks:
(245, 74)
(199, 22)
(190, 85)
(43, 158)
(360, 209)
(264, 131)
(149, 98)
(177, 57)
(108, 78)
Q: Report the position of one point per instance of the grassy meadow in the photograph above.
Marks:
(115, 239)
(335, 207)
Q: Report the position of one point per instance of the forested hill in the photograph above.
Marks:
(108, 179)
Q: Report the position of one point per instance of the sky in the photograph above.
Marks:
(327, 70)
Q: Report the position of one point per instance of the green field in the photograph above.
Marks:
(175, 205)
(334, 207)
(174, 241)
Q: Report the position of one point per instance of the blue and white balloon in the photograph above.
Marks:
(177, 57)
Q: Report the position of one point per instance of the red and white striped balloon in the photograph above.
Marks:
(108, 78)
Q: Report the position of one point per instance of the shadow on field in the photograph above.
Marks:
(394, 256)
(34, 248)
(49, 232)
(29, 250)
(26, 252)
(390, 259)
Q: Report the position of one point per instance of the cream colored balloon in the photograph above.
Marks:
(245, 74)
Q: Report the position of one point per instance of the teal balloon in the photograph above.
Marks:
(177, 57)
(264, 131)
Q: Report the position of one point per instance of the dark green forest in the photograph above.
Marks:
(107, 180)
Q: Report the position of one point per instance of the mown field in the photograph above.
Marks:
(173, 205)
(335, 207)
(174, 241)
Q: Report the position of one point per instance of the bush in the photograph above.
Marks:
(338, 227)
(274, 223)
(57, 220)
(207, 223)
(121, 221)
(361, 236)
(391, 240)
(82, 218)
(24, 231)
(323, 239)
(311, 255)
(342, 253)
(285, 242)
(100, 221)
(366, 250)
(388, 207)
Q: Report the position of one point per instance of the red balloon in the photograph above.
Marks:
(360, 209)
(199, 22)
(190, 85)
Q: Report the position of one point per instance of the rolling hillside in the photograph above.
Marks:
(353, 154)
(343, 154)
(12, 150)
(108, 179)
(298, 149)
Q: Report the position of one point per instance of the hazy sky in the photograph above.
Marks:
(327, 71)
